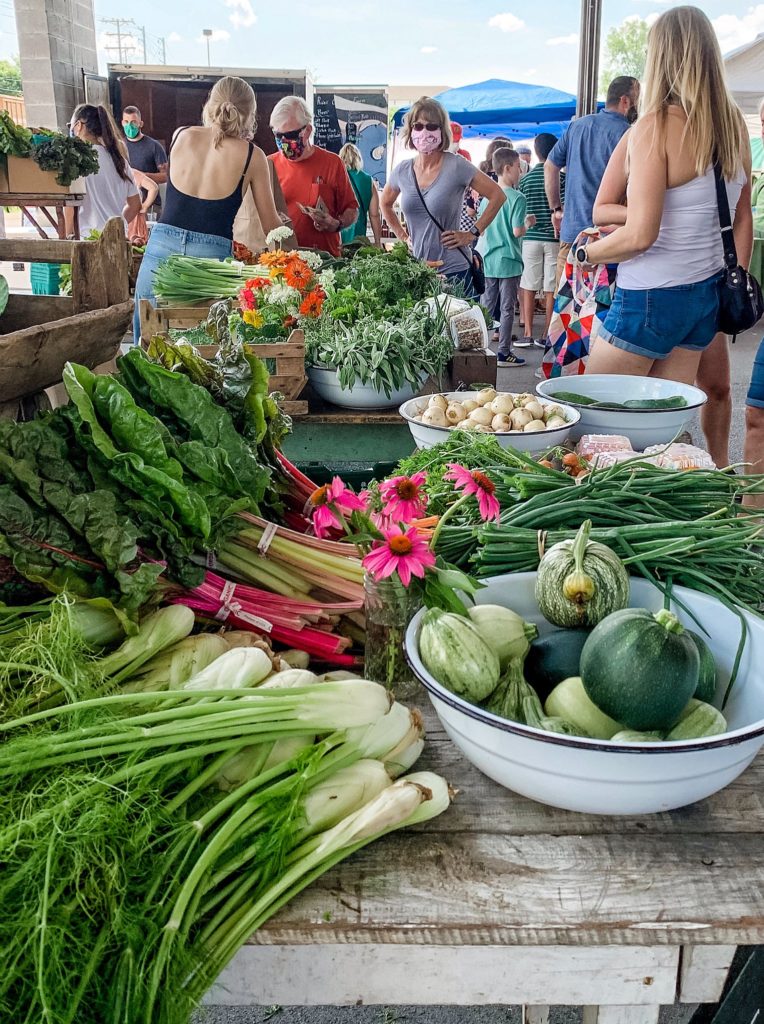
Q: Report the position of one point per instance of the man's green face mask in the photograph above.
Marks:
(132, 131)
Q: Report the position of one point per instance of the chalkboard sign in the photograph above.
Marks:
(326, 125)
(352, 132)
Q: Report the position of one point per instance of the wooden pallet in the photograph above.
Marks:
(289, 353)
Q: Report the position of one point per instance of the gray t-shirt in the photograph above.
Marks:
(444, 201)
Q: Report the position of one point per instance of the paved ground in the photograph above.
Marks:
(520, 379)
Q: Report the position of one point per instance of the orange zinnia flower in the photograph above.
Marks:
(312, 303)
(272, 259)
(298, 275)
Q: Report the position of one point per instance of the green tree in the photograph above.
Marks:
(10, 76)
(625, 51)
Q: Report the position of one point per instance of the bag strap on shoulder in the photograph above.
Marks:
(725, 220)
(438, 225)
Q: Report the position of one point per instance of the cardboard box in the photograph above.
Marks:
(468, 368)
(22, 174)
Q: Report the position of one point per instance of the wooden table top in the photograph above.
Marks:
(42, 198)
(498, 869)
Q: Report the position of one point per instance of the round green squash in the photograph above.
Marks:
(454, 652)
(579, 582)
(641, 668)
(706, 690)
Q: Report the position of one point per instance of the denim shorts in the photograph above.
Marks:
(756, 390)
(654, 321)
(164, 241)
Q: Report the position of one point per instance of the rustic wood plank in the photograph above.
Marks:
(472, 888)
(485, 806)
(621, 1014)
(100, 269)
(33, 359)
(338, 975)
(703, 973)
(295, 409)
(35, 250)
(25, 311)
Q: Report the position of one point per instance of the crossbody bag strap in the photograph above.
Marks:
(438, 225)
(725, 220)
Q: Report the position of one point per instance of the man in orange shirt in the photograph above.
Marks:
(319, 197)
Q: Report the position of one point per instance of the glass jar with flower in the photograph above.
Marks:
(398, 541)
(282, 290)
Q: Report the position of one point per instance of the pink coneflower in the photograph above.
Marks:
(404, 497)
(477, 483)
(328, 502)
(402, 552)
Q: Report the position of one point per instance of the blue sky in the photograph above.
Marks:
(422, 42)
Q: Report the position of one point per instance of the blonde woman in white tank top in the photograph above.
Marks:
(659, 196)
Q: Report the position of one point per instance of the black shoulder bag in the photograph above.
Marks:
(474, 260)
(741, 304)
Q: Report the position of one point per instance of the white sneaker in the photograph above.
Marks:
(539, 373)
(523, 343)
(539, 342)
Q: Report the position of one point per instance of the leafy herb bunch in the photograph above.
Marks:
(386, 354)
(70, 158)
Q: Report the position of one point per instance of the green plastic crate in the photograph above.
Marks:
(45, 278)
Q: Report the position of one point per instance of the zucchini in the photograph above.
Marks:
(698, 720)
(455, 653)
(579, 582)
(554, 657)
(706, 688)
(641, 669)
(569, 701)
(634, 736)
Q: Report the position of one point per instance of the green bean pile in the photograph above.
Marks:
(686, 527)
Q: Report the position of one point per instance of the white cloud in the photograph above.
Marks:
(243, 15)
(734, 31)
(175, 37)
(429, 49)
(219, 35)
(571, 40)
(506, 22)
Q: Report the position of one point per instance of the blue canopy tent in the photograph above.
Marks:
(496, 107)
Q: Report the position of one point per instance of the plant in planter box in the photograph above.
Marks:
(69, 157)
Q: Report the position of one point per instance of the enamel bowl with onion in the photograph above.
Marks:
(525, 422)
(609, 777)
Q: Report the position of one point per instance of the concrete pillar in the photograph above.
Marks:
(57, 42)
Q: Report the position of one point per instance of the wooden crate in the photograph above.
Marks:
(42, 332)
(289, 353)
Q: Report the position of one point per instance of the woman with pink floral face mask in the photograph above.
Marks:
(431, 188)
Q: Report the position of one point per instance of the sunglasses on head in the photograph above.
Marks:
(290, 135)
(420, 126)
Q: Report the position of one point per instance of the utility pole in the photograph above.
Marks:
(143, 34)
(164, 49)
(128, 28)
(207, 32)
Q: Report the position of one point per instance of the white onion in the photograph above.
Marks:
(534, 425)
(439, 402)
(485, 396)
(434, 417)
(501, 422)
(482, 415)
(455, 413)
(502, 405)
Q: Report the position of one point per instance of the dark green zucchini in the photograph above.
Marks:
(554, 657)
(706, 688)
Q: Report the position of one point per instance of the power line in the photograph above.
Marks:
(132, 39)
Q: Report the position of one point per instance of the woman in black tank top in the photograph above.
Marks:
(204, 227)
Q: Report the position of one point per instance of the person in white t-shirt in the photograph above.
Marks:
(111, 191)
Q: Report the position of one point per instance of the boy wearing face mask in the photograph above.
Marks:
(319, 197)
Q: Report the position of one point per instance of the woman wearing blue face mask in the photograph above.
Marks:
(431, 188)
(210, 169)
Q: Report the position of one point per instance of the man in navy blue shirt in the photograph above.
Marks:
(584, 151)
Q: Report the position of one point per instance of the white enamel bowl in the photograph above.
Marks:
(600, 777)
(643, 427)
(537, 441)
(360, 396)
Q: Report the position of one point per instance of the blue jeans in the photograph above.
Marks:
(164, 241)
(464, 277)
(654, 321)
(756, 390)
